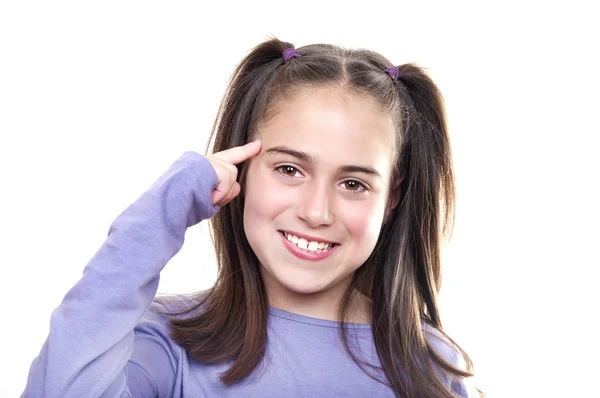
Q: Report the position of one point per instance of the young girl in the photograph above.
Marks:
(330, 189)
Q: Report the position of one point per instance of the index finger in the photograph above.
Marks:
(239, 153)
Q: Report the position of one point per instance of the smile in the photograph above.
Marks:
(313, 246)
(307, 250)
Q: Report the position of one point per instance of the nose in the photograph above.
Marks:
(316, 204)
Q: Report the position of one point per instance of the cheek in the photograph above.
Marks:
(363, 222)
(263, 197)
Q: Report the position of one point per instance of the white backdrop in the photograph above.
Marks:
(97, 99)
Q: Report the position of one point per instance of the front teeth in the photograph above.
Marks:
(312, 246)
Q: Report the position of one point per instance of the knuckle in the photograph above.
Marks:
(233, 173)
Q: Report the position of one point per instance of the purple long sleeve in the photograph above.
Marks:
(91, 336)
(105, 339)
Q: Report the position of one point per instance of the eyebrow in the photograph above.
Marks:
(309, 159)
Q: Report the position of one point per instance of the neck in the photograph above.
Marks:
(322, 305)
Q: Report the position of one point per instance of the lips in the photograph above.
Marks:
(305, 253)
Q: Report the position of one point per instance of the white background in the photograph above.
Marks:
(97, 99)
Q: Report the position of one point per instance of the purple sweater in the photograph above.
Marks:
(105, 341)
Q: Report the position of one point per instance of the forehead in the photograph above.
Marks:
(333, 127)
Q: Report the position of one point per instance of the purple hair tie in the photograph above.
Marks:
(289, 53)
(393, 72)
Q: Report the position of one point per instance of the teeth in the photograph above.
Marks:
(312, 246)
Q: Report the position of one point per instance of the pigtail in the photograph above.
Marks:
(405, 268)
(426, 216)
(429, 190)
(246, 92)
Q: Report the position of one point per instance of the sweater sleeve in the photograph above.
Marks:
(91, 337)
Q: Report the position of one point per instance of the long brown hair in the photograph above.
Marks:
(402, 276)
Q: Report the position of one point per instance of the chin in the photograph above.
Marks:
(304, 289)
(297, 281)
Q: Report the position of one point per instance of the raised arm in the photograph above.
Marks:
(91, 332)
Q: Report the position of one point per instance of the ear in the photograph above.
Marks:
(393, 201)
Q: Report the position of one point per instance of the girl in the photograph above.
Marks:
(330, 189)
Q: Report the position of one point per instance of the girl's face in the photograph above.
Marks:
(316, 195)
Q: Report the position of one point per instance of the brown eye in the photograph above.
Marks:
(289, 171)
(353, 186)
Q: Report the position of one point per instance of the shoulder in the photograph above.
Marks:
(152, 333)
(155, 358)
(155, 324)
(167, 307)
(444, 347)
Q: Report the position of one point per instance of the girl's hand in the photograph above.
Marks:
(224, 164)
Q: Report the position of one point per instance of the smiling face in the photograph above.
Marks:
(316, 195)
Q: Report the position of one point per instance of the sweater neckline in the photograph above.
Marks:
(279, 313)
